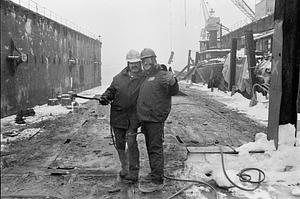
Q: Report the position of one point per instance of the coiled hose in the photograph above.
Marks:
(243, 176)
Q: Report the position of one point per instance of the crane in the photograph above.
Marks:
(212, 26)
(205, 15)
(244, 8)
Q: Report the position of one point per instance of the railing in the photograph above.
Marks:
(240, 24)
(35, 7)
(265, 87)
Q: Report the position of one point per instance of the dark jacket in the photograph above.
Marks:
(123, 92)
(154, 101)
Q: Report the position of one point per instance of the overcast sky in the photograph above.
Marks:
(162, 25)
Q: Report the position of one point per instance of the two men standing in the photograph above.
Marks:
(146, 101)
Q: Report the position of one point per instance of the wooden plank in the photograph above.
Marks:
(200, 75)
(189, 61)
(250, 51)
(284, 80)
(182, 71)
(290, 61)
(171, 58)
(209, 149)
(216, 150)
(187, 67)
(189, 73)
(197, 58)
(232, 63)
(275, 86)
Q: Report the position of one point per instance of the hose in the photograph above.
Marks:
(194, 181)
(113, 137)
(243, 176)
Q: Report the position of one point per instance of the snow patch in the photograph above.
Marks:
(256, 194)
(281, 167)
(91, 93)
(296, 191)
(44, 112)
(237, 102)
(22, 135)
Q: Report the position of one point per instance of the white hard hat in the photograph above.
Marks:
(133, 56)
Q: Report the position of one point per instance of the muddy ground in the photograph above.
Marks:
(73, 156)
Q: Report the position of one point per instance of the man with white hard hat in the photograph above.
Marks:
(123, 93)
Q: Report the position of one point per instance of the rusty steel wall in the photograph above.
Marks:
(59, 59)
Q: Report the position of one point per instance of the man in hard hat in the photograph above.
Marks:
(153, 108)
(123, 93)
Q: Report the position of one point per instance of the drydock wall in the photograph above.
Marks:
(59, 59)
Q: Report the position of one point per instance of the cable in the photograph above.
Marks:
(113, 136)
(195, 181)
(243, 176)
(171, 25)
(185, 13)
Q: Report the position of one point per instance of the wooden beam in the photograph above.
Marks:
(275, 85)
(189, 60)
(178, 75)
(232, 63)
(188, 73)
(250, 51)
(187, 67)
(284, 87)
(197, 58)
(290, 61)
(200, 75)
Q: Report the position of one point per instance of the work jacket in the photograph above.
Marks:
(154, 101)
(123, 93)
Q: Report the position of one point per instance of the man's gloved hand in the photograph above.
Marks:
(103, 100)
(169, 78)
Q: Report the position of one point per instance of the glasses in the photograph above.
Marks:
(134, 64)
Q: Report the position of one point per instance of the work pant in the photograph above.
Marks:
(122, 136)
(154, 132)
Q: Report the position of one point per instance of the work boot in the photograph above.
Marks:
(150, 187)
(132, 177)
(124, 163)
(147, 178)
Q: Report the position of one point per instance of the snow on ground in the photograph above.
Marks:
(281, 167)
(47, 112)
(91, 93)
(43, 112)
(258, 112)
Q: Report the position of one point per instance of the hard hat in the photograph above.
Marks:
(133, 56)
(147, 52)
